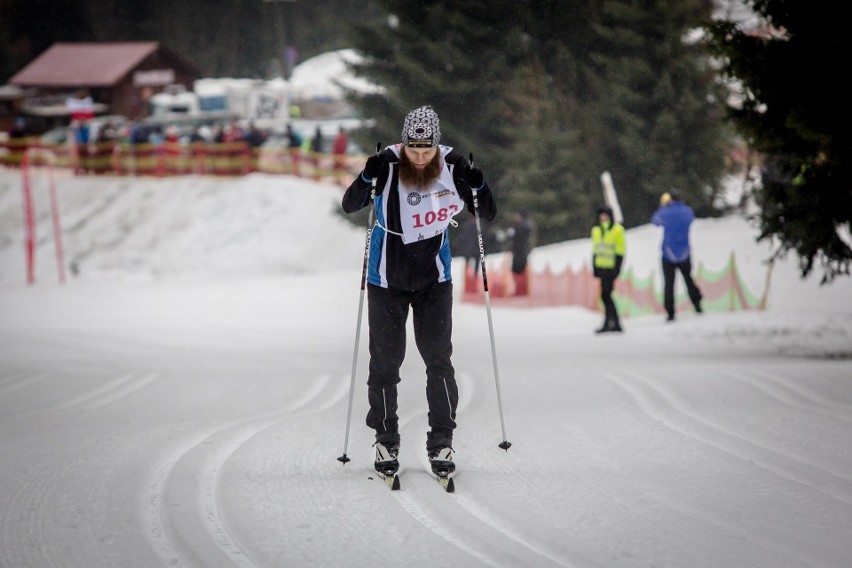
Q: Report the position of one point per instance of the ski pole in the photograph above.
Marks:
(343, 458)
(504, 444)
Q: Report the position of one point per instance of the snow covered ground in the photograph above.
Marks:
(182, 401)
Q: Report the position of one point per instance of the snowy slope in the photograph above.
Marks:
(183, 401)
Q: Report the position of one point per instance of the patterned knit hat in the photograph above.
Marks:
(422, 128)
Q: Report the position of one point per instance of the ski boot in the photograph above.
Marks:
(441, 460)
(386, 462)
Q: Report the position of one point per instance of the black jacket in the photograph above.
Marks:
(416, 265)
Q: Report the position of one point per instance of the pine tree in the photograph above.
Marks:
(538, 161)
(658, 118)
(547, 164)
(449, 55)
(552, 93)
(795, 111)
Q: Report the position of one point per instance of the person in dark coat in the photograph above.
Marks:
(317, 145)
(416, 188)
(521, 234)
(675, 217)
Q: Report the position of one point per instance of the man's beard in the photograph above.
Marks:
(420, 178)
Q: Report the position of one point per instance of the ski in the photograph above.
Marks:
(441, 462)
(391, 480)
(446, 482)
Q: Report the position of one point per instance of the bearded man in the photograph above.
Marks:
(416, 188)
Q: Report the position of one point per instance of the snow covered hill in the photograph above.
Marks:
(177, 227)
(183, 400)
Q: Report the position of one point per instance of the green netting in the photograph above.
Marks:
(634, 298)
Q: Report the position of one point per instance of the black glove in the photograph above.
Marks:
(618, 260)
(472, 177)
(374, 166)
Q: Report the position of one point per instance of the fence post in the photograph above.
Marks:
(29, 218)
(762, 304)
(732, 287)
(57, 226)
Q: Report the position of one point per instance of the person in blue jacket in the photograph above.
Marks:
(416, 188)
(675, 217)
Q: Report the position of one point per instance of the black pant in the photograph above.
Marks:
(519, 263)
(607, 286)
(433, 326)
(669, 271)
(473, 261)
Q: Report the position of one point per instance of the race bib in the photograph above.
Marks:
(426, 212)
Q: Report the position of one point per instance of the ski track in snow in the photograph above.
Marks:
(486, 539)
(179, 506)
(16, 382)
(198, 534)
(36, 492)
(407, 501)
(246, 481)
(792, 395)
(662, 404)
(183, 535)
(107, 393)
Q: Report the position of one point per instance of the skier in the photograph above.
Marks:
(339, 148)
(608, 250)
(675, 217)
(419, 186)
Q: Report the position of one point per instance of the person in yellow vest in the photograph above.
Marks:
(608, 248)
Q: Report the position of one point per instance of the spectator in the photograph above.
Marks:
(198, 140)
(254, 136)
(608, 248)
(675, 217)
(521, 233)
(172, 134)
(140, 133)
(103, 151)
(106, 133)
(339, 148)
(317, 141)
(234, 132)
(80, 129)
(218, 134)
(156, 136)
(295, 144)
(19, 128)
(169, 154)
(316, 151)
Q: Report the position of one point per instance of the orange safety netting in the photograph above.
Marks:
(722, 290)
(173, 158)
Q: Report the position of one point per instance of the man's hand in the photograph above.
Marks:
(473, 177)
(374, 166)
